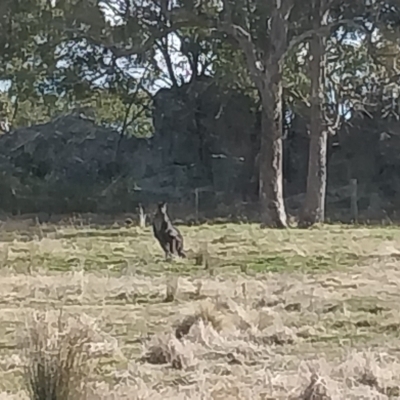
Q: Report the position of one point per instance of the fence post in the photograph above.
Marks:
(196, 203)
(354, 200)
(142, 217)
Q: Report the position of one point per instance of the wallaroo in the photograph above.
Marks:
(167, 235)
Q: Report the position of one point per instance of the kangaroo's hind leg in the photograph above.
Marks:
(179, 246)
(168, 250)
(179, 249)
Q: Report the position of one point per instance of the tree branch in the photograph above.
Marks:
(129, 51)
(322, 31)
(245, 42)
(15, 112)
(128, 110)
(163, 47)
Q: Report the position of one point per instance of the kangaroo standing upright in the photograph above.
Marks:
(167, 235)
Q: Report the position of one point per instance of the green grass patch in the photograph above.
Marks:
(312, 263)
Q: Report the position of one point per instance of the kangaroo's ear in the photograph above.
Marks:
(162, 206)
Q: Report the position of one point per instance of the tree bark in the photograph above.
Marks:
(313, 210)
(271, 152)
(265, 64)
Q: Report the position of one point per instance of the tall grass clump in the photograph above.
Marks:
(57, 358)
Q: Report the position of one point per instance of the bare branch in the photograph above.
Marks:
(15, 112)
(285, 8)
(164, 48)
(128, 121)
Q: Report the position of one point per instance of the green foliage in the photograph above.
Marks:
(130, 114)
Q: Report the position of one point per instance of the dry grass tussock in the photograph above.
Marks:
(285, 315)
(60, 355)
(57, 360)
(168, 348)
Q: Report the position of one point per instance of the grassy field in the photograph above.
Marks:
(255, 314)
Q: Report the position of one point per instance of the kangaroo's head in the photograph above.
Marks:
(162, 207)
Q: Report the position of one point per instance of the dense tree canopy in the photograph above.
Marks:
(62, 50)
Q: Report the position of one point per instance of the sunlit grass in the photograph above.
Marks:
(246, 301)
